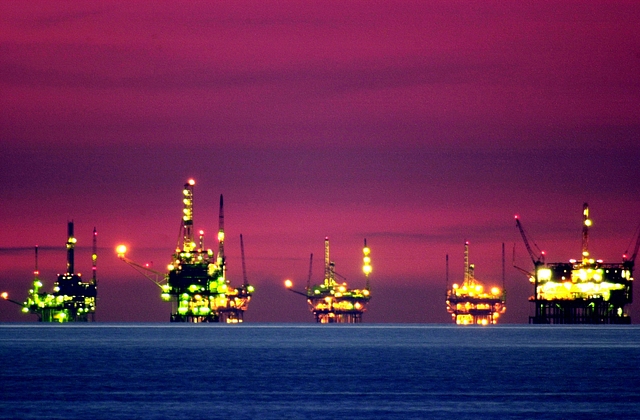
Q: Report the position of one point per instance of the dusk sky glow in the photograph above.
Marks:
(415, 124)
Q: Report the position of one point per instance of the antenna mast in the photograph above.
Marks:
(366, 267)
(71, 241)
(446, 259)
(466, 262)
(94, 256)
(503, 270)
(221, 259)
(244, 268)
(310, 271)
(586, 222)
(327, 262)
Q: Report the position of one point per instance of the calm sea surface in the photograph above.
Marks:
(280, 371)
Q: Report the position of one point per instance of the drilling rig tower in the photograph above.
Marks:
(469, 303)
(334, 302)
(196, 283)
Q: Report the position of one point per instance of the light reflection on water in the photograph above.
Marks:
(318, 371)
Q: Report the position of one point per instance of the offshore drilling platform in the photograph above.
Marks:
(333, 302)
(469, 303)
(72, 300)
(581, 291)
(196, 282)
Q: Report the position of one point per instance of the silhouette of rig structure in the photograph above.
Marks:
(72, 299)
(331, 301)
(469, 303)
(196, 282)
(581, 291)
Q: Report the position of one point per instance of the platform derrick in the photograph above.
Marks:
(584, 290)
(196, 283)
(469, 303)
(332, 301)
(72, 299)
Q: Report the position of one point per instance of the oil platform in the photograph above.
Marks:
(581, 291)
(334, 302)
(469, 303)
(72, 300)
(196, 283)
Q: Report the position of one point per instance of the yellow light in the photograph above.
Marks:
(587, 222)
(544, 274)
(220, 236)
(192, 182)
(495, 291)
(366, 250)
(455, 285)
(5, 295)
(170, 267)
(367, 260)
(121, 250)
(288, 284)
(342, 289)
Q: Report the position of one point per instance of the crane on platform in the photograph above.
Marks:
(630, 260)
(537, 259)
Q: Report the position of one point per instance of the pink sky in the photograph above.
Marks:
(417, 125)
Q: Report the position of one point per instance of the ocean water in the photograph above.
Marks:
(309, 371)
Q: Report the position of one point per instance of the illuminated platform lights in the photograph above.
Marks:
(72, 299)
(585, 291)
(333, 302)
(196, 283)
(469, 303)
